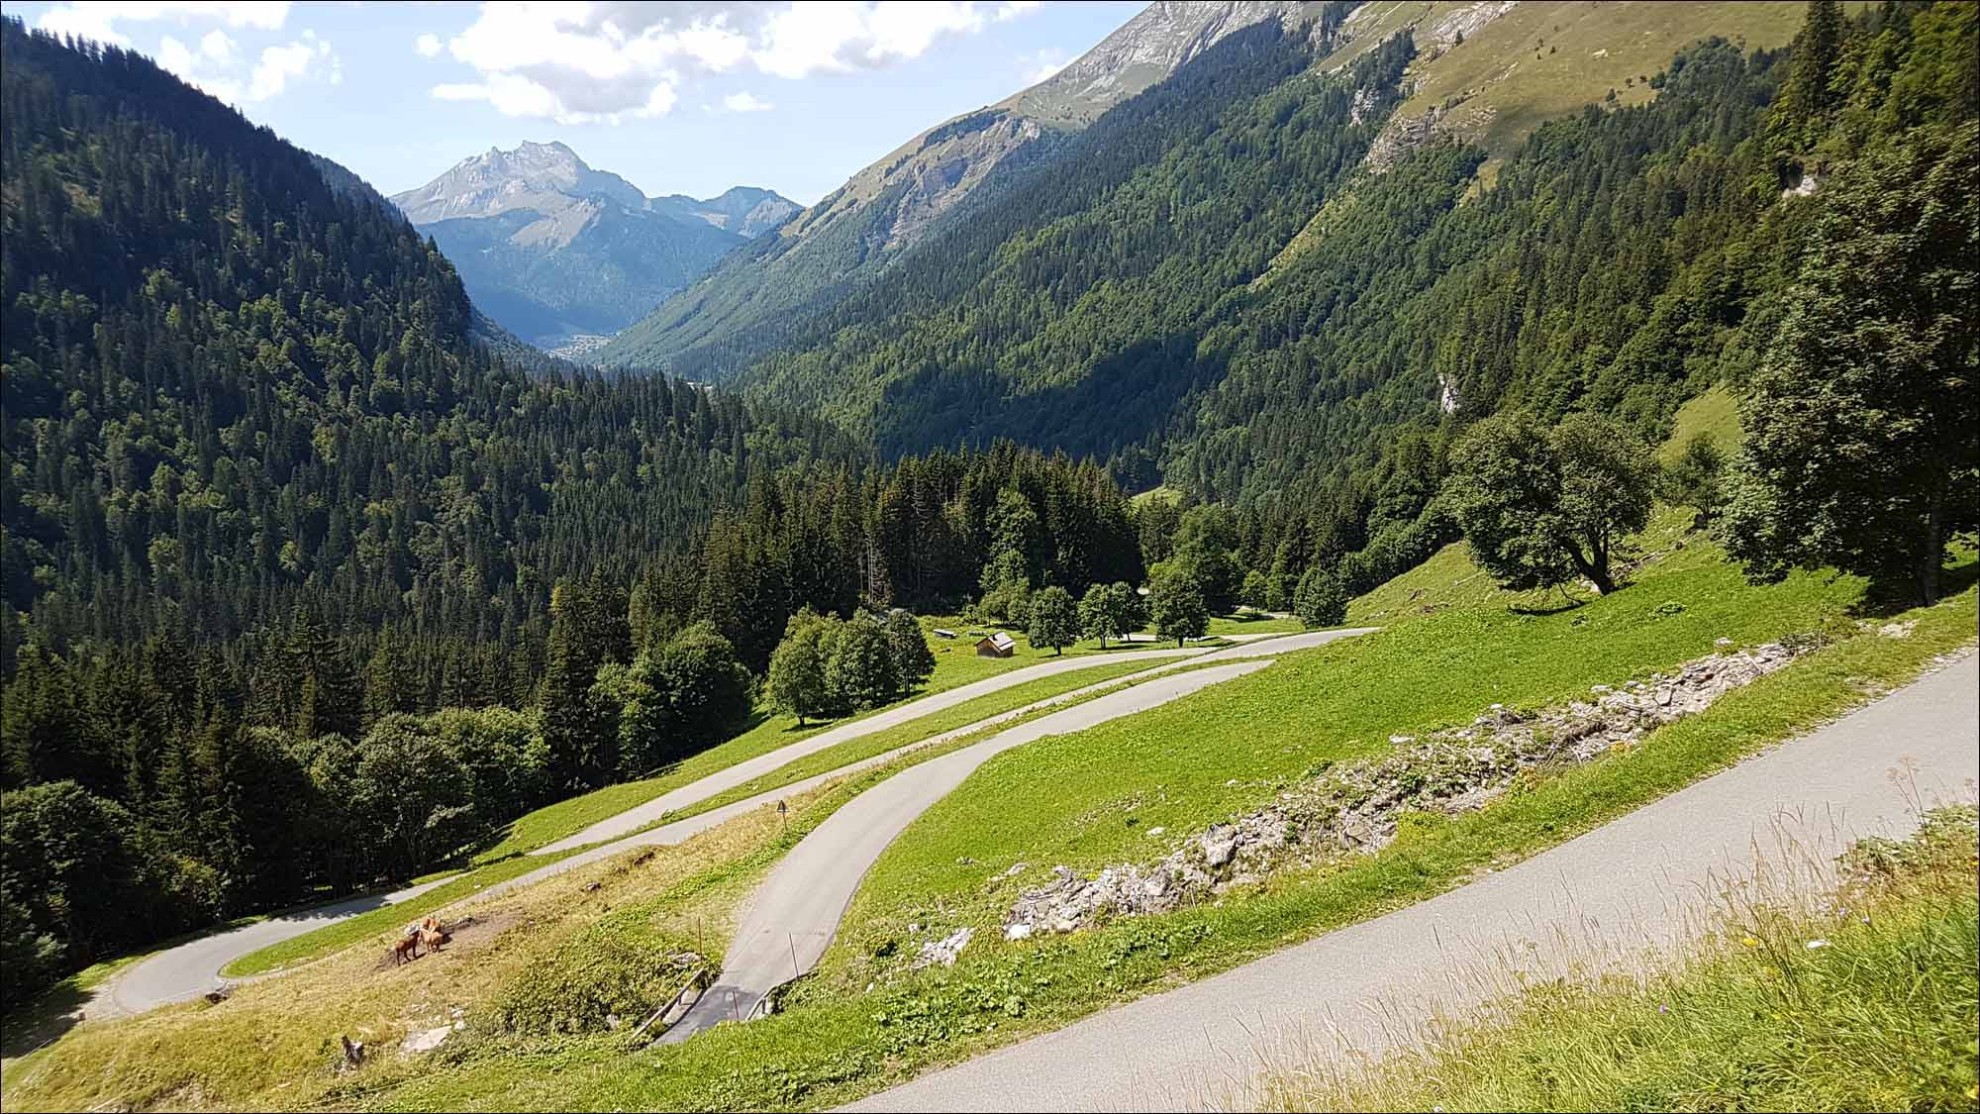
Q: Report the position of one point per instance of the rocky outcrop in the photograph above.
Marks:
(1355, 808)
(1143, 51)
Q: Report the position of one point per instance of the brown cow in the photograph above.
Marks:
(405, 949)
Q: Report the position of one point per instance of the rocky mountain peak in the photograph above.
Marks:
(546, 177)
(1143, 51)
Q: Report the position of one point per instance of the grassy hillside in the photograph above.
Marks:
(1096, 797)
(956, 664)
(1084, 800)
(1536, 61)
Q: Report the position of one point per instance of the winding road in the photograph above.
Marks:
(794, 914)
(1639, 881)
(191, 969)
(743, 772)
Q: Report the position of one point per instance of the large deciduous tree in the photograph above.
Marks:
(1541, 506)
(1321, 599)
(1178, 607)
(1862, 434)
(1054, 619)
(797, 682)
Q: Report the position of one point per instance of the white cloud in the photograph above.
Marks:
(575, 61)
(745, 102)
(1042, 64)
(98, 19)
(823, 38)
(217, 67)
(429, 45)
(1015, 8)
(278, 64)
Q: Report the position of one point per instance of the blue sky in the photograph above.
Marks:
(689, 97)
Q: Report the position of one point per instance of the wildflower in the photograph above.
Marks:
(1749, 941)
(1663, 1008)
(1816, 944)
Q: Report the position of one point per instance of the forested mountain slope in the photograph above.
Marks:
(715, 327)
(1278, 278)
(305, 584)
(230, 387)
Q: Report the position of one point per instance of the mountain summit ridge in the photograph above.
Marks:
(891, 205)
(554, 249)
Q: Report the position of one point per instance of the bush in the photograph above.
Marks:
(80, 882)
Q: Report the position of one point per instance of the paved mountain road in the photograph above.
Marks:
(795, 913)
(1635, 882)
(722, 780)
(191, 969)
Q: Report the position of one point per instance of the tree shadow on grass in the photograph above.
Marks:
(1885, 598)
(43, 1019)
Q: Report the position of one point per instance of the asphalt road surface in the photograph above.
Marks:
(722, 780)
(191, 969)
(1638, 882)
(794, 914)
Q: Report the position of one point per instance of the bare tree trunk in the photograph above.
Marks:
(1933, 557)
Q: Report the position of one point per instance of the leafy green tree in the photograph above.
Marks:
(80, 882)
(501, 751)
(859, 665)
(1178, 609)
(1257, 591)
(1541, 506)
(1054, 619)
(1321, 600)
(414, 796)
(797, 681)
(1205, 553)
(1129, 607)
(914, 662)
(1695, 478)
(1111, 611)
(709, 691)
(1861, 450)
(1095, 621)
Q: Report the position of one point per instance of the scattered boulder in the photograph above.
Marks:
(944, 951)
(425, 1040)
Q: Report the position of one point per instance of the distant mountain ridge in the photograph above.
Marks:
(556, 251)
(742, 306)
